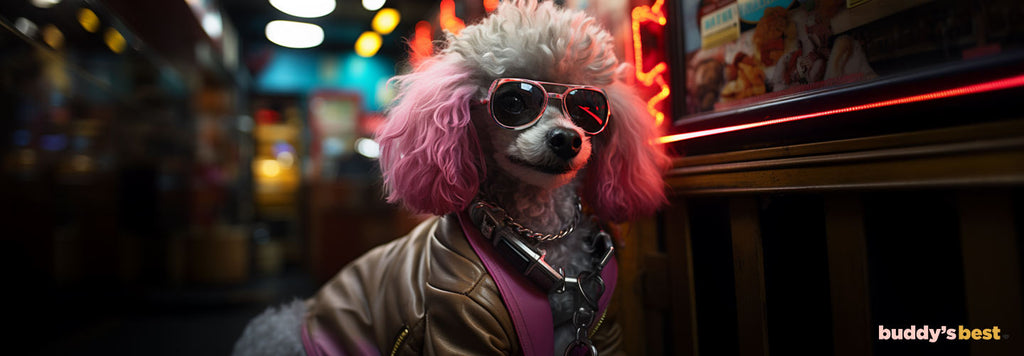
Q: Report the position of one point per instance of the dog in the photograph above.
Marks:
(523, 139)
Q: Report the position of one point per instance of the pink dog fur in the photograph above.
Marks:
(624, 178)
(441, 168)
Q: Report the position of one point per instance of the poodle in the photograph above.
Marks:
(523, 140)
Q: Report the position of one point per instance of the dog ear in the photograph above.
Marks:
(625, 177)
(430, 156)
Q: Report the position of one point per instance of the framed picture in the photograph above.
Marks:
(751, 63)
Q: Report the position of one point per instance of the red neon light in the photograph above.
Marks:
(421, 43)
(1001, 84)
(490, 5)
(450, 22)
(640, 15)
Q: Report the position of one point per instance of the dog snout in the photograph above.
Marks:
(564, 143)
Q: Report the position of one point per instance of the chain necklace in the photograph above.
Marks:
(526, 232)
(587, 287)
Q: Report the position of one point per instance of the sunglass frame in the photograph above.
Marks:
(547, 95)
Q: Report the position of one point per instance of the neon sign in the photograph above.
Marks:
(450, 22)
(654, 13)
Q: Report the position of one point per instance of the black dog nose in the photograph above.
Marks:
(564, 142)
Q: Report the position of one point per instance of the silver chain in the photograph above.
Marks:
(527, 232)
(586, 288)
(586, 310)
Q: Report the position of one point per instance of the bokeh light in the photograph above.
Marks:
(368, 44)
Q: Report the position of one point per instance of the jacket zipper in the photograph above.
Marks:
(405, 333)
(598, 324)
(398, 341)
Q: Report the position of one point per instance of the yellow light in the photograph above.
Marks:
(53, 37)
(285, 159)
(114, 40)
(90, 22)
(81, 163)
(386, 20)
(270, 168)
(368, 44)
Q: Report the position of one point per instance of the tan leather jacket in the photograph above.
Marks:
(425, 293)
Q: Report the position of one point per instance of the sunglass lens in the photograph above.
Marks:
(517, 103)
(588, 109)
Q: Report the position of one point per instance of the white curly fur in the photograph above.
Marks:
(526, 39)
(275, 332)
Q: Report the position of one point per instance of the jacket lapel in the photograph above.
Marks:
(527, 305)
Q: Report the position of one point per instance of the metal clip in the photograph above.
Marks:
(487, 226)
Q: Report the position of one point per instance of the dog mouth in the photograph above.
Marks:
(556, 169)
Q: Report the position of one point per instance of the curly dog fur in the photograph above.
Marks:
(440, 151)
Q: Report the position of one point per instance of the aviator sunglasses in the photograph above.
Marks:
(519, 103)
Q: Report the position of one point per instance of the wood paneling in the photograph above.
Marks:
(884, 207)
(680, 263)
(748, 262)
(848, 276)
(991, 270)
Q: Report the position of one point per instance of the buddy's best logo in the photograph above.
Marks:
(934, 334)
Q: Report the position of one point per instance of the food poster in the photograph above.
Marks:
(741, 52)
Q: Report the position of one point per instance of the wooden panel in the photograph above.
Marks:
(657, 321)
(637, 238)
(748, 260)
(969, 164)
(680, 263)
(991, 271)
(848, 276)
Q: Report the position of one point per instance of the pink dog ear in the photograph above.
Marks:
(429, 152)
(624, 179)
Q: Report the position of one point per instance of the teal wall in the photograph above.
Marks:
(295, 71)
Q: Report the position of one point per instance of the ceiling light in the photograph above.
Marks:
(26, 26)
(368, 44)
(213, 24)
(294, 34)
(386, 20)
(305, 8)
(114, 40)
(270, 168)
(373, 5)
(368, 148)
(45, 4)
(88, 19)
(53, 37)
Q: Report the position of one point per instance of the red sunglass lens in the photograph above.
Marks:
(588, 109)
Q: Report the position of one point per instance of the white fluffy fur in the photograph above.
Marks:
(524, 39)
(275, 332)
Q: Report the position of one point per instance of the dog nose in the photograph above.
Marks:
(564, 142)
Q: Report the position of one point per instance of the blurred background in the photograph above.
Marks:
(170, 168)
